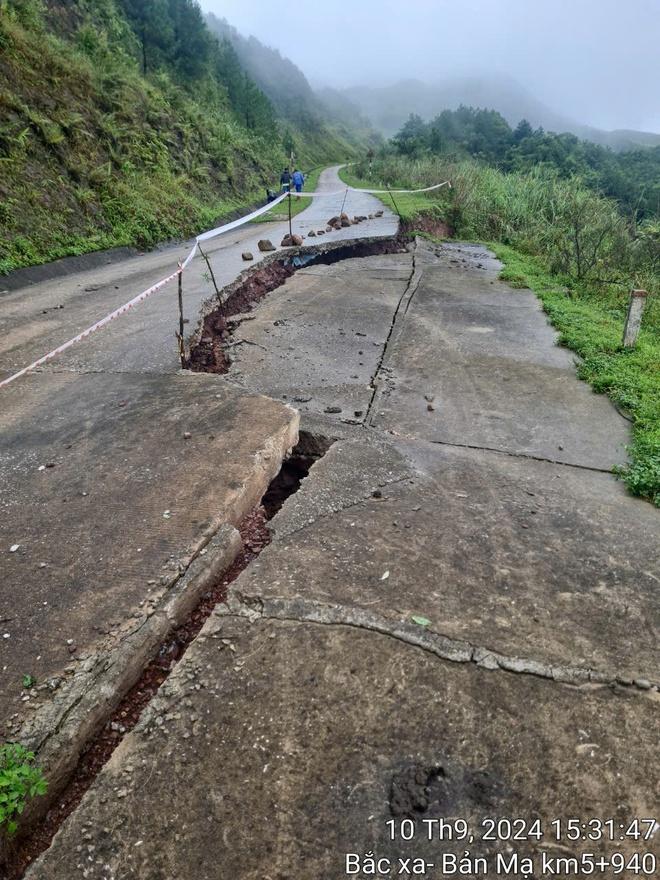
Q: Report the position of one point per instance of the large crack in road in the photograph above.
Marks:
(409, 573)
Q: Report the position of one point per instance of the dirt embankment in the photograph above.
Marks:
(427, 223)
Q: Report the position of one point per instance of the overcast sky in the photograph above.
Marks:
(597, 61)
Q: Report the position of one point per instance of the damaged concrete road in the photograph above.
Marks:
(442, 626)
(484, 356)
(115, 471)
(277, 747)
(317, 341)
(119, 495)
(507, 562)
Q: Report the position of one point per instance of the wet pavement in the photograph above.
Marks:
(456, 617)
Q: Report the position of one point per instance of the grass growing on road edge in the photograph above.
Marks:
(631, 378)
(281, 211)
(410, 205)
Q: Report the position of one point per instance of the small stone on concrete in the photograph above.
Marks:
(292, 240)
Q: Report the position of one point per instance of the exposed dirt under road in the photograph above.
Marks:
(208, 346)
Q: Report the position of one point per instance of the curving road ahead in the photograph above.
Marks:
(36, 319)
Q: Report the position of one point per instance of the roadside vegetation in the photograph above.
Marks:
(407, 205)
(579, 250)
(129, 123)
(20, 779)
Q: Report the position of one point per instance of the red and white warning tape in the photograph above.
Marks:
(205, 236)
(141, 296)
(85, 333)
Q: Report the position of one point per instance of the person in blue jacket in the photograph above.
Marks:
(298, 179)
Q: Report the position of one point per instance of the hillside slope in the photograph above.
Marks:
(327, 115)
(121, 126)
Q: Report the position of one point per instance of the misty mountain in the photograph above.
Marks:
(289, 90)
(388, 107)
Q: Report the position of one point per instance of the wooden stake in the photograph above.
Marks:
(182, 350)
(208, 263)
(396, 208)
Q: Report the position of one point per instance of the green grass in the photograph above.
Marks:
(593, 329)
(281, 211)
(409, 205)
(94, 155)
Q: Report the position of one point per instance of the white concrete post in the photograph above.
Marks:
(634, 317)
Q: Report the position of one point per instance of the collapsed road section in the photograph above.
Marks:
(325, 699)
(208, 345)
(440, 625)
(123, 482)
(193, 457)
(187, 619)
(120, 507)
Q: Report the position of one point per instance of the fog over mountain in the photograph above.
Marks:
(388, 107)
(592, 63)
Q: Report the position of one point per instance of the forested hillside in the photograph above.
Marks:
(128, 122)
(389, 106)
(291, 94)
(632, 177)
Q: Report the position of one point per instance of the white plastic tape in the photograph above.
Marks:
(349, 189)
(314, 195)
(205, 236)
(189, 258)
(395, 191)
(235, 223)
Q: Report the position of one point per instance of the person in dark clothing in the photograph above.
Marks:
(270, 195)
(298, 179)
(285, 180)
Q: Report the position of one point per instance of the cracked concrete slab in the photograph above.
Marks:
(317, 341)
(485, 357)
(276, 748)
(549, 564)
(110, 486)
